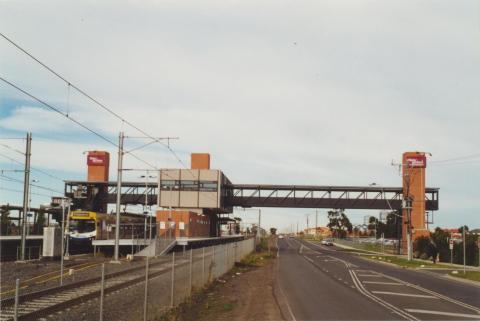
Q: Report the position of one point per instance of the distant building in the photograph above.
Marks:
(454, 233)
(321, 231)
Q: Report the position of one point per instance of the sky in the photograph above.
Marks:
(281, 92)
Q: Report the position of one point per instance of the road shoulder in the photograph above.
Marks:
(245, 293)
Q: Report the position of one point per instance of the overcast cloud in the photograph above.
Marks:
(304, 92)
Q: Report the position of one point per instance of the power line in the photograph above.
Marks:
(72, 119)
(98, 103)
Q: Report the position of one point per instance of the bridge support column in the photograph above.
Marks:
(413, 213)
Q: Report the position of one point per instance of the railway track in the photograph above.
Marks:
(45, 302)
(41, 279)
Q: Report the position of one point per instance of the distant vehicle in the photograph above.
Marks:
(327, 242)
(280, 236)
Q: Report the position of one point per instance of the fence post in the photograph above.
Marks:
(191, 268)
(203, 266)
(225, 268)
(235, 252)
(145, 303)
(17, 289)
(172, 289)
(213, 261)
(102, 290)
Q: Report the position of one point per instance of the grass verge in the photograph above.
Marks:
(406, 263)
(469, 275)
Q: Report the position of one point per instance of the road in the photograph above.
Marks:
(325, 283)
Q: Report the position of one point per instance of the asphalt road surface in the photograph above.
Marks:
(325, 283)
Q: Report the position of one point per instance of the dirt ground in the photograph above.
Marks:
(246, 293)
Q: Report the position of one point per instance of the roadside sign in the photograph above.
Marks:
(450, 243)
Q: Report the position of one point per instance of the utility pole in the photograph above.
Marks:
(316, 222)
(297, 228)
(409, 229)
(26, 187)
(464, 252)
(307, 224)
(259, 220)
(67, 233)
(119, 195)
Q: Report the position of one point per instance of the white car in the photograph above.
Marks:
(327, 242)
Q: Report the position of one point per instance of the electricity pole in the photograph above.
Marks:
(259, 219)
(316, 222)
(408, 202)
(307, 223)
(26, 187)
(119, 195)
(464, 252)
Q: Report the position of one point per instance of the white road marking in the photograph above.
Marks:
(387, 305)
(286, 302)
(441, 296)
(406, 294)
(462, 315)
(370, 275)
(309, 259)
(384, 283)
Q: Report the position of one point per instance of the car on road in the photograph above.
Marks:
(327, 242)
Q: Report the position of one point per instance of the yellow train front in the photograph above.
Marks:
(85, 226)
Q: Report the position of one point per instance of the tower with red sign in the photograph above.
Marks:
(413, 173)
(98, 163)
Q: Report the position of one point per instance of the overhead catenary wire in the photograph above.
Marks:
(455, 159)
(33, 168)
(12, 149)
(94, 100)
(5, 177)
(57, 110)
(21, 191)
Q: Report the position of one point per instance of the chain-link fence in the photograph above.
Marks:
(138, 290)
(371, 244)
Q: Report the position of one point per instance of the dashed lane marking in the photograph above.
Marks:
(370, 275)
(450, 314)
(406, 294)
(378, 282)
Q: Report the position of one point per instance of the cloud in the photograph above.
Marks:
(279, 92)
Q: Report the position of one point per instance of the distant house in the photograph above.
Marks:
(475, 231)
(454, 233)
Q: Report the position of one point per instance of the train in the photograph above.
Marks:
(85, 226)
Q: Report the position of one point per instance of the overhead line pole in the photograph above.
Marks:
(26, 186)
(119, 195)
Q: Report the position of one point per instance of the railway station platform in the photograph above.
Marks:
(160, 246)
(19, 237)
